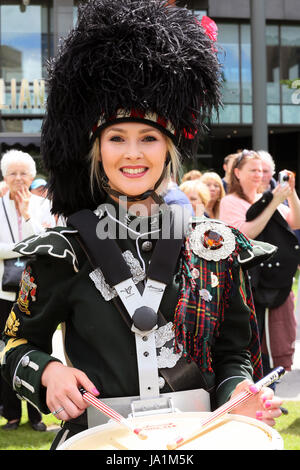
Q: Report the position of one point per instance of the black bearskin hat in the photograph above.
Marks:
(140, 56)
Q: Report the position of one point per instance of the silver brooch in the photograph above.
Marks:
(212, 241)
(195, 273)
(214, 280)
(205, 295)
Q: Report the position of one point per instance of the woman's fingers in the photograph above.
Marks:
(63, 383)
(263, 405)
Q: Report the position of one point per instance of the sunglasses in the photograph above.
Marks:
(244, 153)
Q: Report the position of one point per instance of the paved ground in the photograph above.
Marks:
(289, 387)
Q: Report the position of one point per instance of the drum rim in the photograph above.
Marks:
(277, 441)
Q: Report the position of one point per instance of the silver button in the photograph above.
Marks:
(297, 247)
(277, 263)
(261, 264)
(269, 265)
(25, 361)
(161, 382)
(18, 382)
(147, 246)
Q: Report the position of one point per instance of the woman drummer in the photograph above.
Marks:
(128, 94)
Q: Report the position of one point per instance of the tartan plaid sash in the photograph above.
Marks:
(198, 316)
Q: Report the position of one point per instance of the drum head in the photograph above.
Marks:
(232, 432)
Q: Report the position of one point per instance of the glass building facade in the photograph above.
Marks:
(283, 66)
(29, 35)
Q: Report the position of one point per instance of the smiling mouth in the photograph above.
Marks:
(134, 171)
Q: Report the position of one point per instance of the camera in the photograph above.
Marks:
(283, 177)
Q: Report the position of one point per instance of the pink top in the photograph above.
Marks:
(233, 211)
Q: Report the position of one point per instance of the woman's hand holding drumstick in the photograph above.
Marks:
(237, 403)
(63, 397)
(114, 415)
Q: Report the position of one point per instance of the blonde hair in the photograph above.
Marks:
(95, 173)
(191, 175)
(211, 175)
(197, 186)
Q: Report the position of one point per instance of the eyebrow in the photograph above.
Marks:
(142, 131)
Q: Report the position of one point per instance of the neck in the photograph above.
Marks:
(251, 194)
(138, 208)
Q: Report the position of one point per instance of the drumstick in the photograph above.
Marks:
(105, 409)
(230, 405)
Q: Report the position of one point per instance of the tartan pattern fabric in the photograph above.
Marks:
(197, 320)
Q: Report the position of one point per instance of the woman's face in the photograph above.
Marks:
(133, 156)
(250, 175)
(214, 189)
(196, 202)
(18, 177)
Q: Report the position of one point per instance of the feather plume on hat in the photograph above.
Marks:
(150, 60)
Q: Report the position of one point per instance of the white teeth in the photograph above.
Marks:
(133, 171)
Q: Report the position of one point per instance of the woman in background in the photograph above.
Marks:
(216, 189)
(21, 215)
(198, 194)
(265, 217)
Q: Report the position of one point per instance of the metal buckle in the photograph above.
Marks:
(150, 406)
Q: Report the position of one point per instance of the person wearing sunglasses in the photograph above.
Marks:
(266, 217)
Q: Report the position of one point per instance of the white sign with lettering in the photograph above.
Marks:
(22, 94)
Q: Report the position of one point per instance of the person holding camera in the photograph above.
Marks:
(265, 217)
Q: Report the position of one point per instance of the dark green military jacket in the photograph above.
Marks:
(58, 287)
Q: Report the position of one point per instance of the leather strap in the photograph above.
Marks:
(185, 375)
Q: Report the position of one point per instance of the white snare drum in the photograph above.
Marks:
(232, 432)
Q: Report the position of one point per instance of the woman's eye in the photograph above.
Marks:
(149, 138)
(116, 138)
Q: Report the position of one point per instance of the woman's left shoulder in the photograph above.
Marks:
(214, 240)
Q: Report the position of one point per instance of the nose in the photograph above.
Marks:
(133, 150)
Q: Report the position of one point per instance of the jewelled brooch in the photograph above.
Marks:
(212, 241)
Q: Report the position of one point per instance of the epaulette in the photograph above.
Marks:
(260, 252)
(53, 242)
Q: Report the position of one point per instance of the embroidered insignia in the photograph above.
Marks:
(167, 358)
(164, 334)
(11, 343)
(212, 241)
(205, 295)
(12, 325)
(108, 292)
(27, 291)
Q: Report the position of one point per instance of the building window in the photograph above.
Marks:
(26, 43)
(283, 63)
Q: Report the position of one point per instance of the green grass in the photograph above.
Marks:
(25, 438)
(289, 426)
